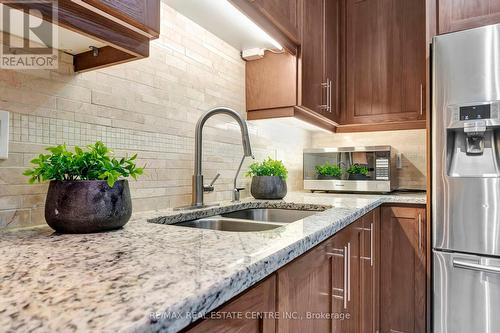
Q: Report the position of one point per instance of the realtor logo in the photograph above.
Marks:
(29, 34)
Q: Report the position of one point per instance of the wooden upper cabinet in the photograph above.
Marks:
(271, 82)
(385, 65)
(284, 14)
(121, 30)
(455, 15)
(403, 270)
(304, 286)
(332, 57)
(254, 305)
(139, 15)
(319, 57)
(312, 56)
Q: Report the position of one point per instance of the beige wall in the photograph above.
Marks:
(149, 107)
(410, 143)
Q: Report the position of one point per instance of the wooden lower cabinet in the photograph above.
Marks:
(403, 270)
(254, 307)
(345, 279)
(369, 267)
(304, 289)
(370, 277)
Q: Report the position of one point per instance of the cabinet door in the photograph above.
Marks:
(332, 59)
(455, 15)
(344, 251)
(251, 305)
(312, 56)
(285, 14)
(369, 272)
(402, 270)
(304, 287)
(385, 61)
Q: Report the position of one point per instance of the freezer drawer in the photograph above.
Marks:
(466, 293)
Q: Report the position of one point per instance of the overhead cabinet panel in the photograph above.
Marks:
(385, 61)
(455, 15)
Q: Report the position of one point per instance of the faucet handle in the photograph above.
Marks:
(210, 188)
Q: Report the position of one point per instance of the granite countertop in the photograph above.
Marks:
(149, 277)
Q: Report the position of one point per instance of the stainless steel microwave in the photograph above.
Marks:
(350, 169)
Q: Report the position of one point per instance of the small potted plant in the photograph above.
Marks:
(358, 172)
(268, 179)
(328, 171)
(87, 190)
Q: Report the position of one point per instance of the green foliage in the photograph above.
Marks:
(328, 169)
(357, 169)
(268, 167)
(95, 162)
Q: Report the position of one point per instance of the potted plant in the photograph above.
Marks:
(268, 179)
(87, 190)
(358, 172)
(328, 171)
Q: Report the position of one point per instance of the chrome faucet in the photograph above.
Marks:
(198, 187)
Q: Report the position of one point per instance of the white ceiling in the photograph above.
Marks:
(225, 21)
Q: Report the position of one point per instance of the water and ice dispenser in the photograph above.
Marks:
(472, 140)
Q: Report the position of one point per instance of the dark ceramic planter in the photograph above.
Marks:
(324, 177)
(86, 206)
(268, 187)
(358, 177)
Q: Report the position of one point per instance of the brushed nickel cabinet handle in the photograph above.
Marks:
(345, 277)
(330, 84)
(349, 271)
(327, 105)
(371, 245)
(421, 99)
(419, 232)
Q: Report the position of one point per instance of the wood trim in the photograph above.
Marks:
(107, 56)
(268, 26)
(294, 111)
(392, 126)
(112, 12)
(270, 113)
(315, 118)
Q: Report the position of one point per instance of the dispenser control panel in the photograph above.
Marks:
(475, 112)
(486, 111)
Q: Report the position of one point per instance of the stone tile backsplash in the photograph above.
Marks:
(149, 107)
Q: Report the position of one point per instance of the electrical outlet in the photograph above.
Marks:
(4, 135)
(399, 161)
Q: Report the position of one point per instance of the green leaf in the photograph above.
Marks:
(111, 181)
(268, 167)
(94, 162)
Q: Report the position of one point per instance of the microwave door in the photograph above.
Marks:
(466, 293)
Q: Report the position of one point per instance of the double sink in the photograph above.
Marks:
(248, 220)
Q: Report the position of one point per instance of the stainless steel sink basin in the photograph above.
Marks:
(248, 220)
(270, 214)
(226, 224)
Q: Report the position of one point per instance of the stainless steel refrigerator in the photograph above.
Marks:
(466, 181)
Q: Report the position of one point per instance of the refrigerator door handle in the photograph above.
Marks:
(457, 263)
